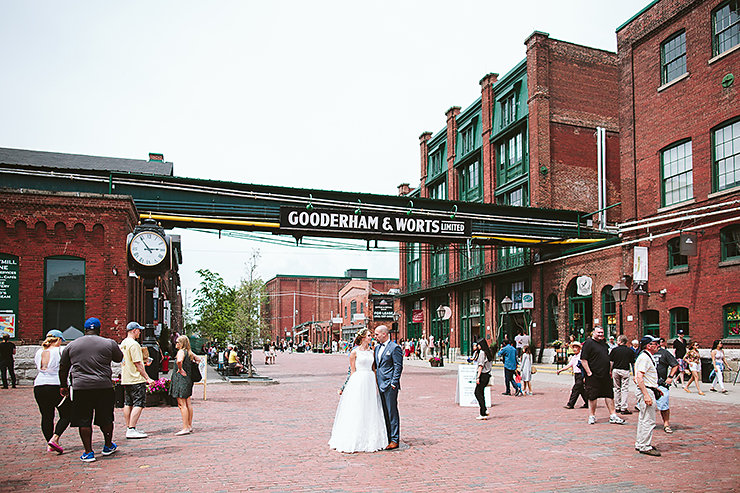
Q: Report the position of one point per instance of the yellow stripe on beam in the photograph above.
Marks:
(533, 241)
(231, 222)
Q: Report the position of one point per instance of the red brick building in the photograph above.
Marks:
(680, 165)
(543, 135)
(309, 307)
(63, 255)
(647, 141)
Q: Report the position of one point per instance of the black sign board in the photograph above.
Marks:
(382, 306)
(371, 224)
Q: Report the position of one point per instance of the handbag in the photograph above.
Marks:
(195, 372)
(534, 370)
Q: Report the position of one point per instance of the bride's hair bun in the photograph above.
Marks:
(360, 335)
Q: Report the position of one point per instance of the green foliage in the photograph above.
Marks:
(215, 306)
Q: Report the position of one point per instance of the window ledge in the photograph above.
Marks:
(723, 54)
(681, 77)
(729, 262)
(726, 191)
(677, 270)
(677, 205)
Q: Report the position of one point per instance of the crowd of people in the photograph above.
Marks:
(76, 381)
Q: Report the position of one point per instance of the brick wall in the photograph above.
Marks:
(35, 225)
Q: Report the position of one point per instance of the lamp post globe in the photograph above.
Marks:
(620, 292)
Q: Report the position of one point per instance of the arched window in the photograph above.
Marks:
(651, 323)
(580, 312)
(675, 259)
(64, 293)
(679, 321)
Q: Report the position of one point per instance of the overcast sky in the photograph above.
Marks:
(317, 94)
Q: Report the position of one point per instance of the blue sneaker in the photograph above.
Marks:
(110, 450)
(88, 457)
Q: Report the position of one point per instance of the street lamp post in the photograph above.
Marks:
(506, 305)
(620, 291)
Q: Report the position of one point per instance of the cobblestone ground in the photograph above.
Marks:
(274, 438)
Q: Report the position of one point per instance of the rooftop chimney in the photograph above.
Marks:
(154, 156)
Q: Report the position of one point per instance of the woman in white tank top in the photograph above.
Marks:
(46, 391)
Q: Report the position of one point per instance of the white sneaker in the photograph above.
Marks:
(481, 417)
(134, 433)
(616, 420)
(592, 420)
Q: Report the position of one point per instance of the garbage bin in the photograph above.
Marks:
(706, 369)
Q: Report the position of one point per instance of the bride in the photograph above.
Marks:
(359, 425)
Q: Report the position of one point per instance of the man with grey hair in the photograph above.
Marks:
(389, 365)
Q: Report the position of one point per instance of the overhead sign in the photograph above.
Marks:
(382, 306)
(371, 224)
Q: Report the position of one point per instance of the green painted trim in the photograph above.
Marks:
(637, 15)
(511, 76)
(302, 276)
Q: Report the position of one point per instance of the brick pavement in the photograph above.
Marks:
(274, 438)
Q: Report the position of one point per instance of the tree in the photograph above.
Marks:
(247, 321)
(215, 306)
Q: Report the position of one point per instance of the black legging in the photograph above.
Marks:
(48, 397)
(482, 382)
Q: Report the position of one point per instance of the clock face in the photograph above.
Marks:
(148, 248)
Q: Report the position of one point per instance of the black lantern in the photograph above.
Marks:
(620, 292)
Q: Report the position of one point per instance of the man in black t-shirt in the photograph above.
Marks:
(7, 363)
(679, 346)
(666, 366)
(622, 358)
(598, 380)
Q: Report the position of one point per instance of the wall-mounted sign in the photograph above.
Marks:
(528, 300)
(687, 245)
(382, 306)
(376, 225)
(583, 285)
(8, 294)
(417, 316)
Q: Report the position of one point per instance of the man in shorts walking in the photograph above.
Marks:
(598, 379)
(134, 380)
(87, 362)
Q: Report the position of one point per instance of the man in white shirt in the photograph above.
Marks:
(646, 378)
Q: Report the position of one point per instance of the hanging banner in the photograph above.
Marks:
(640, 265)
(371, 224)
(8, 294)
(417, 316)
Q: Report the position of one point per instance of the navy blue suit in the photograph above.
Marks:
(388, 372)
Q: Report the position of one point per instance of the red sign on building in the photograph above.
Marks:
(417, 316)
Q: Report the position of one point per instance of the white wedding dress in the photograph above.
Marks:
(359, 425)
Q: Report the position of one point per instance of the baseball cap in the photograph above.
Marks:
(56, 333)
(648, 339)
(680, 331)
(92, 323)
(133, 326)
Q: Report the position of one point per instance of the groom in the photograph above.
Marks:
(389, 365)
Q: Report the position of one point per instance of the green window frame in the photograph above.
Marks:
(438, 191)
(608, 311)
(64, 293)
(413, 266)
(675, 259)
(471, 184)
(436, 161)
(511, 257)
(679, 321)
(677, 179)
(730, 242)
(731, 318)
(510, 156)
(472, 261)
(552, 317)
(725, 27)
(651, 323)
(472, 319)
(509, 109)
(413, 329)
(352, 307)
(673, 57)
(439, 265)
(726, 156)
(467, 138)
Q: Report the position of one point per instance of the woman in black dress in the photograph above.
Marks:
(181, 386)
